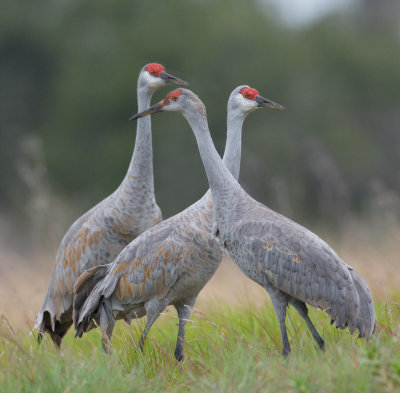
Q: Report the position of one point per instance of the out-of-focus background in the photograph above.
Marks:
(68, 72)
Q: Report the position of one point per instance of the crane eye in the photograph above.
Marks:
(245, 95)
(173, 98)
(152, 72)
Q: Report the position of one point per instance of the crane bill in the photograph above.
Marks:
(173, 79)
(153, 109)
(263, 102)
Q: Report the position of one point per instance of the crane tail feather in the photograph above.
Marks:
(55, 318)
(365, 322)
(87, 298)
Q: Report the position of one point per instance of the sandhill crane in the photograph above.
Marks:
(168, 264)
(99, 235)
(294, 265)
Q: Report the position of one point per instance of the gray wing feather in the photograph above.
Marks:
(163, 260)
(303, 266)
(366, 317)
(49, 301)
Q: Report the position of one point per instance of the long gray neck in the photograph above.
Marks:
(233, 148)
(142, 160)
(140, 171)
(222, 183)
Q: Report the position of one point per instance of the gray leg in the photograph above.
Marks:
(280, 303)
(184, 309)
(303, 311)
(107, 323)
(153, 308)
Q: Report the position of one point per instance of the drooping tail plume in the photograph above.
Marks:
(87, 297)
(366, 318)
(54, 318)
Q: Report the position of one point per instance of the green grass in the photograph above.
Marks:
(229, 349)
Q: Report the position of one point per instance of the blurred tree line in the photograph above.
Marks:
(68, 73)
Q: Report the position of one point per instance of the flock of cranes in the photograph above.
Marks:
(121, 261)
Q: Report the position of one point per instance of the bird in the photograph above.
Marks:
(168, 264)
(100, 234)
(290, 262)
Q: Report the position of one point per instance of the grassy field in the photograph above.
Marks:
(228, 349)
(233, 340)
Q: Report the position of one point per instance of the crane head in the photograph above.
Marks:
(153, 76)
(177, 100)
(247, 99)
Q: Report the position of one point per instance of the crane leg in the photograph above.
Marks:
(107, 322)
(153, 308)
(280, 304)
(303, 311)
(184, 309)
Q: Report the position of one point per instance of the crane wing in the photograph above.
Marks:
(287, 256)
(84, 245)
(152, 263)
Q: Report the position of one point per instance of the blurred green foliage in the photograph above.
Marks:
(68, 72)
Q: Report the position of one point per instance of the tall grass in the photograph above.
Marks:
(228, 349)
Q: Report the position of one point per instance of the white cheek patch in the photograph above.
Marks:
(172, 106)
(152, 81)
(245, 104)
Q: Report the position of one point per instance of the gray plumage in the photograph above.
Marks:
(168, 264)
(99, 235)
(294, 265)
